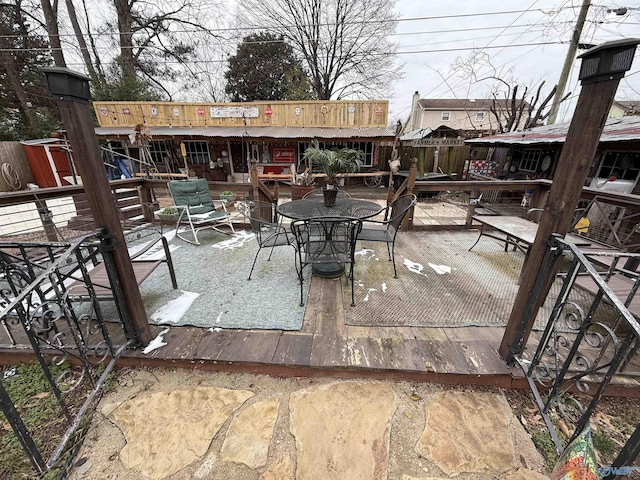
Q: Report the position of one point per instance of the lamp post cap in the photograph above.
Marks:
(622, 43)
(64, 71)
(65, 84)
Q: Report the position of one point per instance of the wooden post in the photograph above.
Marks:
(146, 201)
(183, 151)
(75, 114)
(475, 192)
(253, 173)
(574, 163)
(407, 223)
(46, 219)
(436, 154)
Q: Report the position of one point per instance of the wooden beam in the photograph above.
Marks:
(79, 125)
(574, 163)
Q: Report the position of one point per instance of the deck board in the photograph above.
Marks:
(250, 347)
(325, 345)
(293, 349)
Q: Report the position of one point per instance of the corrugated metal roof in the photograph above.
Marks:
(41, 141)
(630, 106)
(625, 129)
(416, 134)
(255, 132)
(461, 103)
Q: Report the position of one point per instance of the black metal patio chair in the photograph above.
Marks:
(326, 241)
(268, 230)
(376, 231)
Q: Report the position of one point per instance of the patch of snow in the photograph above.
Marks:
(170, 235)
(156, 342)
(384, 288)
(219, 317)
(414, 267)
(173, 311)
(217, 329)
(440, 269)
(366, 297)
(366, 252)
(154, 253)
(236, 241)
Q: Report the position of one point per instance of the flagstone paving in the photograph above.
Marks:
(183, 424)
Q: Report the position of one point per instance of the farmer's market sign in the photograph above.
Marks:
(438, 142)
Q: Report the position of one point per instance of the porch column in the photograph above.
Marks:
(600, 73)
(71, 92)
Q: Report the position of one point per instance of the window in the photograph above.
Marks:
(479, 116)
(367, 152)
(158, 150)
(530, 160)
(366, 148)
(197, 152)
(302, 146)
(622, 165)
(445, 116)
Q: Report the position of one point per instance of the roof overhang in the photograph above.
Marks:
(625, 129)
(382, 133)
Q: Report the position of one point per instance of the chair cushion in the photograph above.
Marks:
(193, 194)
(206, 217)
(200, 209)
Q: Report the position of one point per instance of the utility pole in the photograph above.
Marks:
(568, 61)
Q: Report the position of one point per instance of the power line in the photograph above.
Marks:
(228, 39)
(155, 47)
(445, 80)
(327, 24)
(377, 54)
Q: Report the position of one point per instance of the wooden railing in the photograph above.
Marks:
(48, 209)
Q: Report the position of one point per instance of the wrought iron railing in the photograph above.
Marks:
(586, 343)
(38, 310)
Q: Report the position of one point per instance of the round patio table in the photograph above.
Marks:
(315, 208)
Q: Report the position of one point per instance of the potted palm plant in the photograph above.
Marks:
(332, 163)
(301, 183)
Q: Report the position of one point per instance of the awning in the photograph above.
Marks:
(625, 129)
(382, 133)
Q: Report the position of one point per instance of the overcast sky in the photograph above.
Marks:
(440, 41)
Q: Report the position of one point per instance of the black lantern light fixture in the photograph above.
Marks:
(65, 84)
(607, 61)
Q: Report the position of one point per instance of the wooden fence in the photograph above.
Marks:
(14, 167)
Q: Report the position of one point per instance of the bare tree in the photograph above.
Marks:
(94, 72)
(513, 106)
(50, 11)
(24, 111)
(165, 33)
(343, 43)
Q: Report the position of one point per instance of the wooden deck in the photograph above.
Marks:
(325, 346)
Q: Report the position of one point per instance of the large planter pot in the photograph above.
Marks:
(299, 191)
(330, 196)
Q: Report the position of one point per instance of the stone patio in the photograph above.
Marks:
(179, 424)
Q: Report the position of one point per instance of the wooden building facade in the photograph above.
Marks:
(217, 141)
(533, 154)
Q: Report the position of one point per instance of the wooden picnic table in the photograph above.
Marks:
(516, 231)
